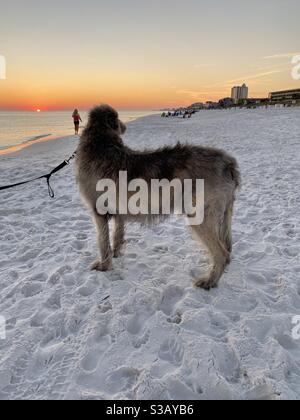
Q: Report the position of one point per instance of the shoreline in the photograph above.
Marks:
(19, 147)
(50, 137)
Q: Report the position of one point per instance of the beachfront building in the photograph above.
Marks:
(226, 103)
(285, 97)
(211, 105)
(256, 103)
(239, 93)
(197, 106)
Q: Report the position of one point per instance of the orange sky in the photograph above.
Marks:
(135, 55)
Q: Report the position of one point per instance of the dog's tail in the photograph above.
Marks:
(232, 172)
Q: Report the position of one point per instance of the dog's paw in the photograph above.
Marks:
(100, 266)
(205, 283)
(118, 248)
(117, 253)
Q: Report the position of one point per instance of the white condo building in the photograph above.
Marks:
(239, 93)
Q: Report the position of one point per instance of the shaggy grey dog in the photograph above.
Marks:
(102, 154)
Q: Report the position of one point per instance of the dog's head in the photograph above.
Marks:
(103, 119)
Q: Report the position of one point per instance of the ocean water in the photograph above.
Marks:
(21, 127)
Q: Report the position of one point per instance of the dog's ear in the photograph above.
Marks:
(112, 121)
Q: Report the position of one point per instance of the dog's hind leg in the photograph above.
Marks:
(102, 227)
(226, 228)
(118, 236)
(208, 235)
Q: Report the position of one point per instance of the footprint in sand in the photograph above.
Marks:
(40, 277)
(175, 319)
(105, 307)
(172, 351)
(137, 322)
(138, 342)
(132, 256)
(11, 323)
(78, 245)
(90, 362)
(171, 296)
(263, 392)
(31, 289)
(38, 319)
(81, 236)
(87, 289)
(141, 307)
(56, 277)
(122, 379)
(291, 252)
(14, 275)
(30, 255)
(54, 301)
(161, 249)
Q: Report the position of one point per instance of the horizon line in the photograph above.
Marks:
(35, 110)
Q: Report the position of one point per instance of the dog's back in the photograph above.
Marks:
(108, 157)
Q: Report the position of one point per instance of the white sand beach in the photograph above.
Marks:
(142, 331)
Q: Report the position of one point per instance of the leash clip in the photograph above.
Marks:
(67, 161)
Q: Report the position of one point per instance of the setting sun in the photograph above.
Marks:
(38, 110)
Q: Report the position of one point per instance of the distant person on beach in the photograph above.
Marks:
(77, 119)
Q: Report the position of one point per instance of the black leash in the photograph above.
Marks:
(47, 177)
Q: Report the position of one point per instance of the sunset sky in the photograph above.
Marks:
(138, 54)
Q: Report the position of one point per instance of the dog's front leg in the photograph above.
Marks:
(102, 227)
(118, 237)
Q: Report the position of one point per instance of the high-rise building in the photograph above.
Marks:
(239, 93)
